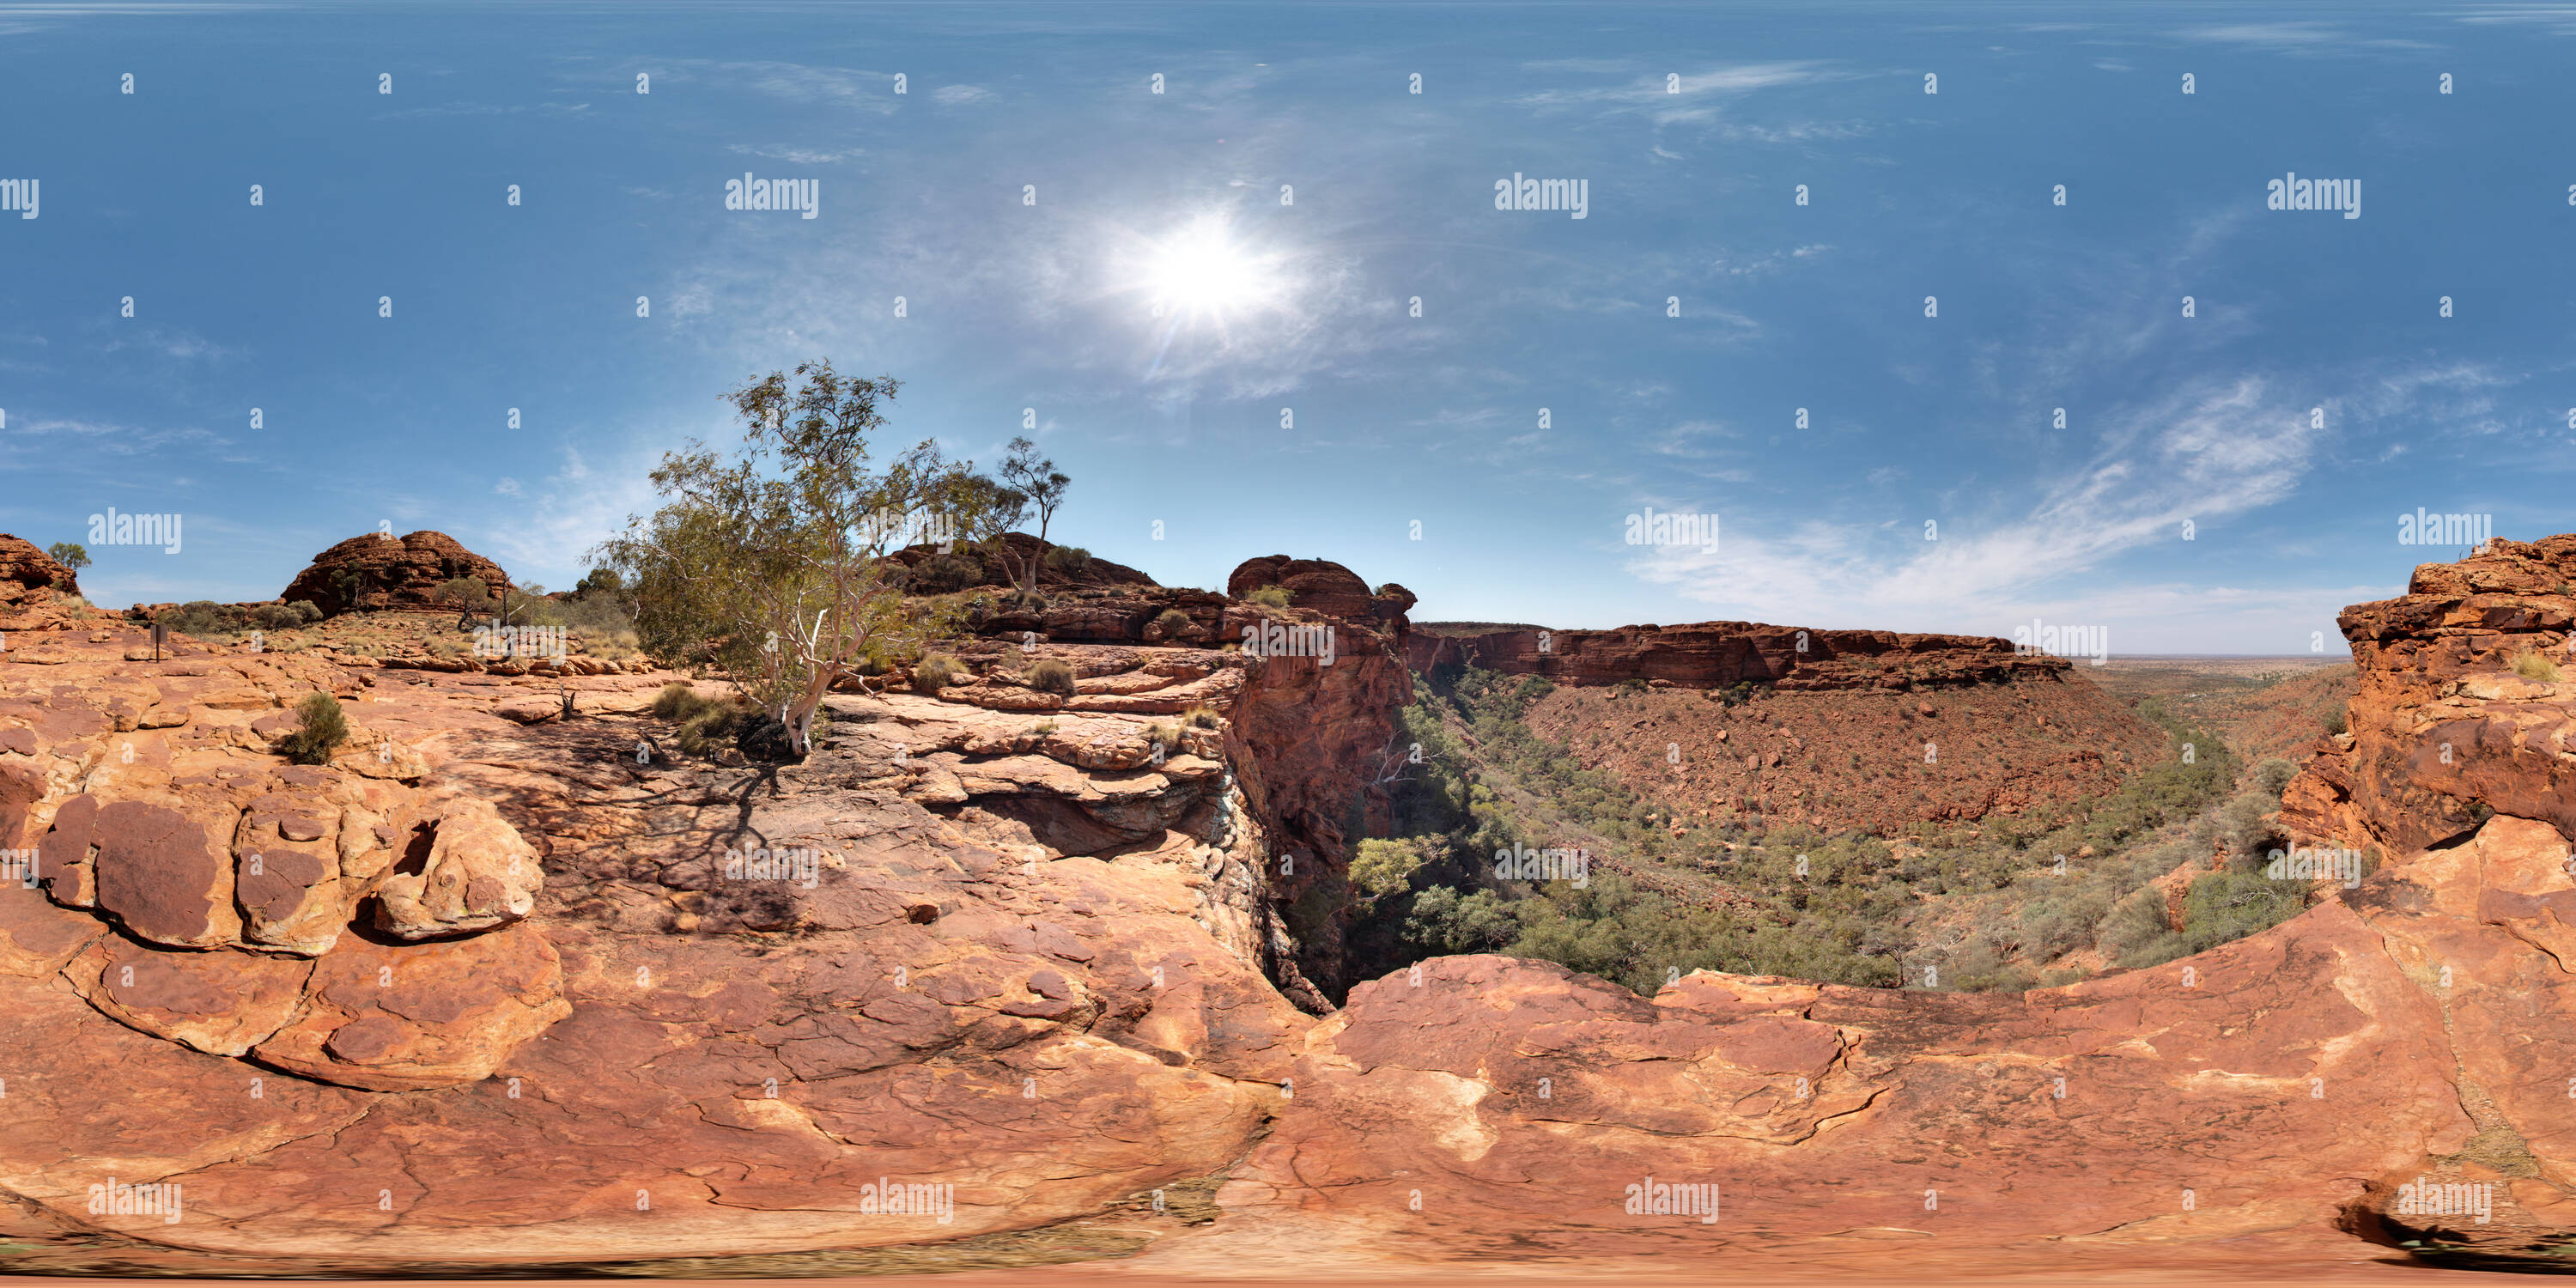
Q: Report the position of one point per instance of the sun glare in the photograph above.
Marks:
(1201, 271)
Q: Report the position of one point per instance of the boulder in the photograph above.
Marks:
(466, 869)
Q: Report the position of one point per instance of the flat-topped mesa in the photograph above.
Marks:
(2455, 714)
(1720, 654)
(379, 571)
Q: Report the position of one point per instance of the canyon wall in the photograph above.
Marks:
(1720, 654)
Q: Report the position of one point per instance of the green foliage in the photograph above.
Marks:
(1051, 675)
(2247, 824)
(70, 554)
(2225, 906)
(1173, 621)
(1072, 561)
(205, 619)
(1268, 596)
(1444, 922)
(935, 671)
(320, 729)
(2335, 718)
(944, 574)
(2274, 774)
(464, 593)
(769, 565)
(1383, 867)
(706, 725)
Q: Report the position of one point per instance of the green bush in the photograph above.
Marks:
(706, 725)
(2274, 774)
(1072, 561)
(944, 574)
(2226, 906)
(466, 593)
(1051, 676)
(320, 729)
(2335, 719)
(935, 671)
(1383, 867)
(1268, 597)
(1173, 621)
(204, 618)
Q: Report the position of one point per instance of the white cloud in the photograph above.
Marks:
(959, 95)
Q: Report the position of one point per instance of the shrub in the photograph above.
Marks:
(1202, 718)
(2274, 775)
(2532, 666)
(1051, 676)
(2335, 719)
(1072, 561)
(462, 592)
(1268, 597)
(320, 730)
(1043, 727)
(2246, 823)
(934, 672)
(679, 702)
(944, 574)
(203, 618)
(1163, 735)
(1173, 621)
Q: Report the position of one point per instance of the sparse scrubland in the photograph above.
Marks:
(1978, 905)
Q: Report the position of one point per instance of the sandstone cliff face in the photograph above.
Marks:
(2442, 729)
(377, 572)
(1012, 943)
(1720, 654)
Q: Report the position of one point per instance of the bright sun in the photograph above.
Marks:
(1202, 271)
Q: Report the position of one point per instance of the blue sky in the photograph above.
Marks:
(1691, 128)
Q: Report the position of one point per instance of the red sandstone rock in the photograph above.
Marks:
(1720, 654)
(429, 1015)
(376, 572)
(2441, 725)
(27, 573)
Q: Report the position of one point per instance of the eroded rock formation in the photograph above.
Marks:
(1719, 654)
(1012, 943)
(2443, 728)
(379, 571)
